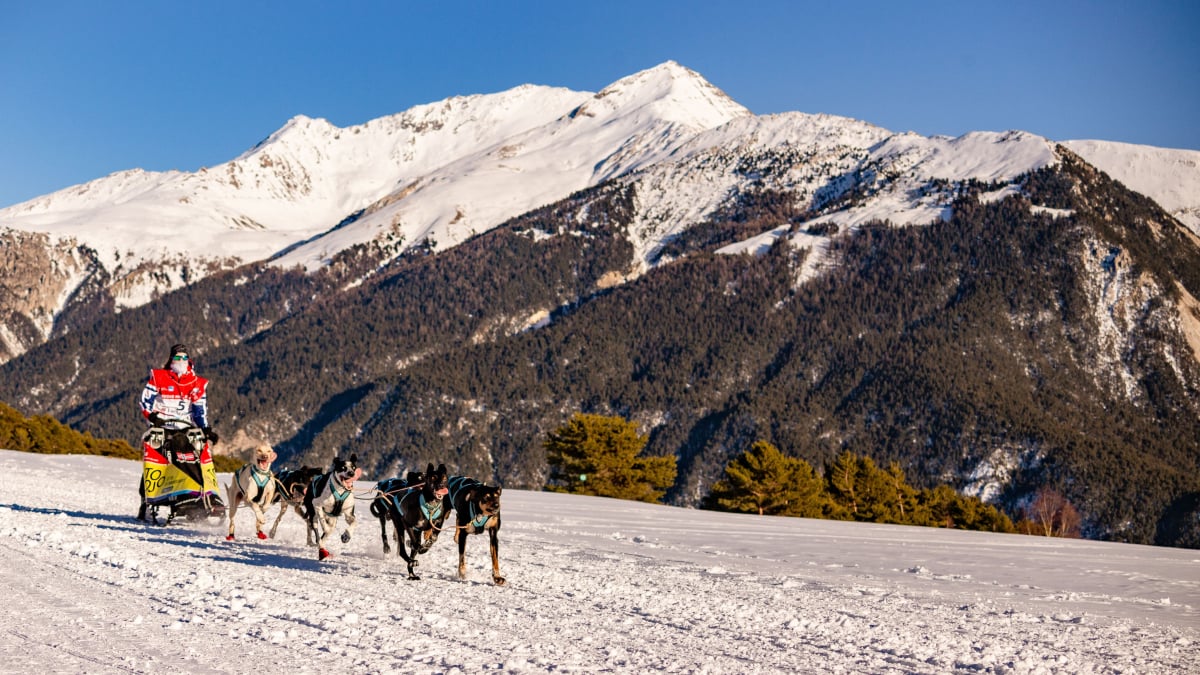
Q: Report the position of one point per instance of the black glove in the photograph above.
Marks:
(210, 435)
(157, 420)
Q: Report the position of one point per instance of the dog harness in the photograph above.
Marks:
(478, 520)
(431, 510)
(339, 496)
(260, 477)
(394, 489)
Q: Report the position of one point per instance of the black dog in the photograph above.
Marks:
(418, 504)
(386, 505)
(290, 487)
(477, 508)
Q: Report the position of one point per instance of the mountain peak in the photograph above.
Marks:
(675, 93)
(300, 130)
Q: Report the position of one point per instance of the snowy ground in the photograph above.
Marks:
(594, 585)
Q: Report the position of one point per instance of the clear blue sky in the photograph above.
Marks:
(94, 86)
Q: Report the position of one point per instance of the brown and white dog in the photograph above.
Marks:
(255, 484)
(331, 495)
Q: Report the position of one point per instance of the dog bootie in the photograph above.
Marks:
(229, 538)
(262, 535)
(323, 554)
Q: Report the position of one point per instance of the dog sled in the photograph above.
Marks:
(178, 475)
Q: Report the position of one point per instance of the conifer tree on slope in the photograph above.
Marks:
(765, 481)
(600, 455)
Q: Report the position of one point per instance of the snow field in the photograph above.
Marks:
(594, 585)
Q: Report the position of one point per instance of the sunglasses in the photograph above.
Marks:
(179, 357)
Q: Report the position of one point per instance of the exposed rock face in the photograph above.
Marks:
(41, 277)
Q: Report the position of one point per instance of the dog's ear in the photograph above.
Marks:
(498, 489)
(442, 469)
(354, 459)
(429, 471)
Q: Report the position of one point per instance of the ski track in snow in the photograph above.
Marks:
(594, 585)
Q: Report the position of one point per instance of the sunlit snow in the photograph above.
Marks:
(594, 585)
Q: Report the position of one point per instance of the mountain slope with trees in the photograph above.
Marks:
(1037, 337)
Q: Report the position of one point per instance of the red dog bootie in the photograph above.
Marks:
(229, 538)
(323, 554)
(262, 535)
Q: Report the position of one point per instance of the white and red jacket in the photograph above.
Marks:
(182, 399)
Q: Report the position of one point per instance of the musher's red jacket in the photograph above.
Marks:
(183, 399)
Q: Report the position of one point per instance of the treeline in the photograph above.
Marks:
(46, 435)
(605, 456)
(765, 481)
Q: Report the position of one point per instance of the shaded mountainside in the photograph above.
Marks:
(1032, 339)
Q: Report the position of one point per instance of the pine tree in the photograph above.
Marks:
(842, 480)
(902, 497)
(599, 455)
(941, 506)
(763, 480)
(869, 493)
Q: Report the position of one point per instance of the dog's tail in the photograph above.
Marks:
(379, 506)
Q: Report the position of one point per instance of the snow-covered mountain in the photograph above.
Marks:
(439, 173)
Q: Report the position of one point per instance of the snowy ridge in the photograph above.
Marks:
(299, 182)
(593, 585)
(634, 122)
(1169, 177)
(819, 158)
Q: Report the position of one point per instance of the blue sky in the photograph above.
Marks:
(89, 87)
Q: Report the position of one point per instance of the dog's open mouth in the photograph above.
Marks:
(441, 492)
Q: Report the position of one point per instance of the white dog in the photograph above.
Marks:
(255, 484)
(331, 495)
